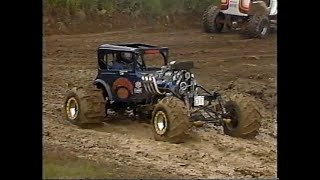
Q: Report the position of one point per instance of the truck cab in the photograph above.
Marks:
(121, 68)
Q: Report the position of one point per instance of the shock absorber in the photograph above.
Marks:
(224, 117)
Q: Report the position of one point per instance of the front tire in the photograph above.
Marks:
(170, 120)
(212, 20)
(258, 27)
(245, 117)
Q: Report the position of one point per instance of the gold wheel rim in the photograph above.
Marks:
(72, 108)
(160, 122)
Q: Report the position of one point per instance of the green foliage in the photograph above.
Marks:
(108, 5)
(150, 8)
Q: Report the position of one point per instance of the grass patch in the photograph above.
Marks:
(61, 164)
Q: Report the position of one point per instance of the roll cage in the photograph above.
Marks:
(131, 56)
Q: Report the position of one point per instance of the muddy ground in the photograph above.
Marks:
(224, 60)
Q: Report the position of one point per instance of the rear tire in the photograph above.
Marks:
(246, 118)
(172, 113)
(84, 107)
(210, 18)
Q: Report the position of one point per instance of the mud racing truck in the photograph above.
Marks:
(167, 95)
(256, 19)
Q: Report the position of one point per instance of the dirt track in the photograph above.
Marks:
(220, 60)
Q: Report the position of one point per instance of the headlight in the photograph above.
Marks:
(137, 84)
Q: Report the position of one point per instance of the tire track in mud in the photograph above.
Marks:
(197, 158)
(192, 159)
(211, 154)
